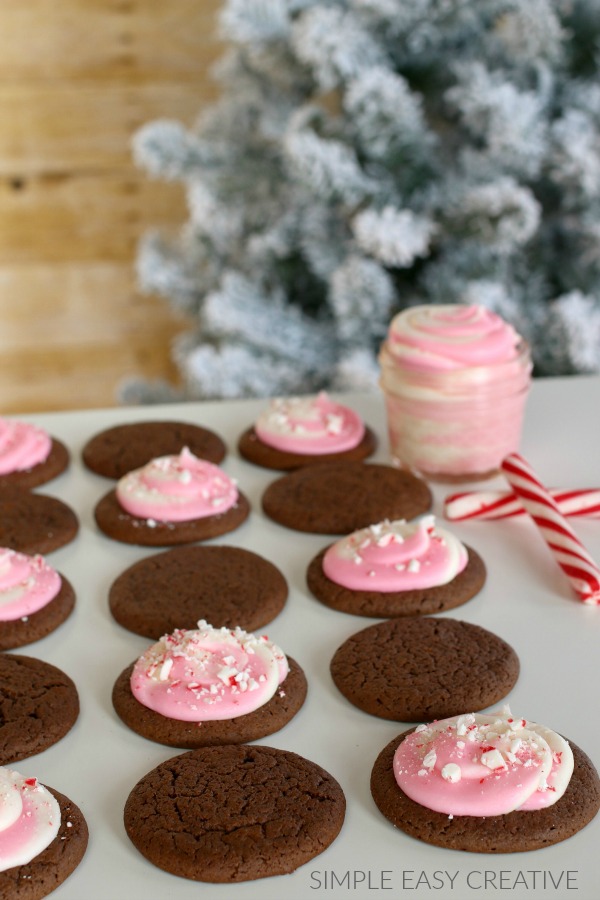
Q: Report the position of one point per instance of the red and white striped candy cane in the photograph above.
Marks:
(569, 552)
(582, 502)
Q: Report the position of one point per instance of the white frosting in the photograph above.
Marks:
(29, 819)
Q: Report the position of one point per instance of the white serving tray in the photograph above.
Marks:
(526, 600)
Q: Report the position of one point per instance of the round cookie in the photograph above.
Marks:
(265, 720)
(54, 464)
(388, 605)
(122, 448)
(420, 668)
(235, 813)
(18, 632)
(255, 451)
(338, 498)
(38, 706)
(512, 833)
(52, 866)
(118, 524)
(227, 586)
(35, 523)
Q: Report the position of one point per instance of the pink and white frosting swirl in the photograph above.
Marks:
(451, 336)
(310, 425)
(483, 765)
(27, 584)
(176, 489)
(29, 819)
(208, 674)
(396, 556)
(22, 446)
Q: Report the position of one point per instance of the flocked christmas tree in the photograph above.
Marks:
(368, 155)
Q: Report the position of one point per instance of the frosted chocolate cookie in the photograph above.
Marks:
(209, 686)
(396, 569)
(29, 456)
(485, 784)
(299, 431)
(418, 668)
(38, 706)
(227, 586)
(34, 599)
(235, 813)
(122, 448)
(35, 523)
(172, 500)
(52, 837)
(337, 498)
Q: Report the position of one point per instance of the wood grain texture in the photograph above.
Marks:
(77, 79)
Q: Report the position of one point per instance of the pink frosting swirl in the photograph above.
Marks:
(444, 337)
(208, 674)
(22, 446)
(29, 819)
(176, 489)
(27, 583)
(396, 556)
(483, 765)
(310, 425)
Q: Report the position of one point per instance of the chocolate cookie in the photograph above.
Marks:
(255, 451)
(121, 526)
(54, 464)
(388, 605)
(234, 813)
(35, 523)
(35, 626)
(38, 706)
(511, 833)
(52, 866)
(417, 669)
(120, 449)
(337, 498)
(265, 720)
(226, 586)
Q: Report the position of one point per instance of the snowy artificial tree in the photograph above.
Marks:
(368, 155)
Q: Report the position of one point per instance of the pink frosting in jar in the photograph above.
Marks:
(22, 446)
(27, 584)
(29, 819)
(396, 556)
(310, 425)
(451, 336)
(483, 765)
(208, 674)
(176, 489)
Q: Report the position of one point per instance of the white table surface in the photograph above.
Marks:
(526, 600)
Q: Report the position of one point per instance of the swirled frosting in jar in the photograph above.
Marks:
(208, 673)
(311, 425)
(27, 583)
(396, 556)
(483, 765)
(176, 489)
(446, 336)
(22, 446)
(29, 819)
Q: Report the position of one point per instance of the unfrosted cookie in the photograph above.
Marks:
(117, 450)
(39, 705)
(513, 832)
(420, 668)
(35, 523)
(235, 813)
(189, 735)
(36, 625)
(54, 465)
(175, 589)
(50, 868)
(337, 498)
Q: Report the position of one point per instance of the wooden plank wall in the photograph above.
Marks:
(77, 78)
